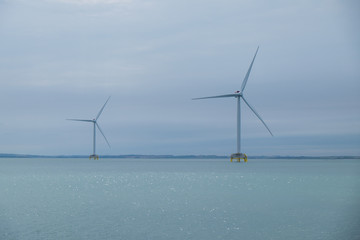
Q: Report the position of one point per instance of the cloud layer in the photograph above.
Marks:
(62, 59)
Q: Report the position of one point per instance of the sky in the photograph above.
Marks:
(62, 59)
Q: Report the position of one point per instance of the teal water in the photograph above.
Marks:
(179, 199)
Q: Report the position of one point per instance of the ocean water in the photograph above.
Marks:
(179, 199)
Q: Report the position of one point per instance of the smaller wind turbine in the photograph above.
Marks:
(94, 121)
(239, 95)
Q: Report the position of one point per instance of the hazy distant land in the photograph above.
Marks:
(139, 156)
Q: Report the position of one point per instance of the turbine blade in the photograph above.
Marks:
(101, 109)
(102, 134)
(248, 73)
(220, 96)
(257, 115)
(80, 120)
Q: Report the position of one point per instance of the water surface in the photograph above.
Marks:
(179, 199)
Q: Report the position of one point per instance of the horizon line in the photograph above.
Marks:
(171, 156)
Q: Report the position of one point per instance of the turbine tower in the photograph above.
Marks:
(96, 125)
(240, 95)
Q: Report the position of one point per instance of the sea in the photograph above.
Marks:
(74, 198)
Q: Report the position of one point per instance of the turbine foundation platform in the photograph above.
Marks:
(238, 156)
(94, 156)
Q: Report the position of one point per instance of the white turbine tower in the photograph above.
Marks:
(94, 121)
(240, 95)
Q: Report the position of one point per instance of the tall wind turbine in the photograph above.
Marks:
(240, 95)
(96, 125)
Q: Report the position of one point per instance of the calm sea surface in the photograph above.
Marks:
(179, 199)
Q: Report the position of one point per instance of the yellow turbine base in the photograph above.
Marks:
(239, 158)
(95, 157)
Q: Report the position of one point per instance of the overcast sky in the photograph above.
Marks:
(61, 59)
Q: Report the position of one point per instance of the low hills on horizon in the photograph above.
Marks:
(140, 156)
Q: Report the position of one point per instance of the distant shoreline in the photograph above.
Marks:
(139, 156)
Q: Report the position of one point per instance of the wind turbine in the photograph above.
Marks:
(96, 125)
(240, 95)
